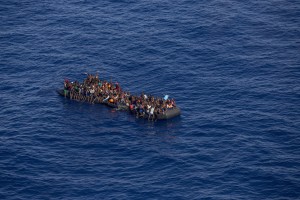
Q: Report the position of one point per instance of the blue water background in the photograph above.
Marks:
(232, 66)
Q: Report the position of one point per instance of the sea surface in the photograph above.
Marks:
(232, 66)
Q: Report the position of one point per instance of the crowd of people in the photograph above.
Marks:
(94, 90)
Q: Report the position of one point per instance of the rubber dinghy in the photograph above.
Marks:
(168, 114)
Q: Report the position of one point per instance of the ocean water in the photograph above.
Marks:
(232, 66)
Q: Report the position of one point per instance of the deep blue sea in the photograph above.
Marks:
(232, 66)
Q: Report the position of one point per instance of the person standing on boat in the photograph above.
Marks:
(151, 114)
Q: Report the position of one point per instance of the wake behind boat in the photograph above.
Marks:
(96, 91)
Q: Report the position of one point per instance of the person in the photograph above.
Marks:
(117, 87)
(92, 91)
(66, 85)
(173, 103)
(141, 111)
(151, 114)
(148, 109)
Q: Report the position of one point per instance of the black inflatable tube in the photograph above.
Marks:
(170, 113)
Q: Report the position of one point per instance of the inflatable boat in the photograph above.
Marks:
(168, 114)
